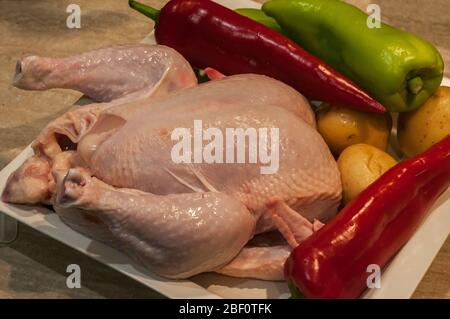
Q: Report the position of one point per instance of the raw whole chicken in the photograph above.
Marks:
(108, 171)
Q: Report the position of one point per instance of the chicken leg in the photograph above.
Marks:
(177, 236)
(108, 73)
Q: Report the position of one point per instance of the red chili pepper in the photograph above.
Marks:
(210, 35)
(371, 229)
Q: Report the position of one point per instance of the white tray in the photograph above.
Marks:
(399, 279)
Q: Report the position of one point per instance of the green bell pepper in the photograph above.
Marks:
(259, 16)
(397, 68)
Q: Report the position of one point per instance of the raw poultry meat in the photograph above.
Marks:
(108, 73)
(107, 167)
(146, 72)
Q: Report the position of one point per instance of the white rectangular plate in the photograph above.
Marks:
(399, 279)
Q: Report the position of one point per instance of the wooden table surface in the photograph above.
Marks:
(34, 266)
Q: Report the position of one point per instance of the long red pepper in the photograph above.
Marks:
(371, 229)
(210, 35)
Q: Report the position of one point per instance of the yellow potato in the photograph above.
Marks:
(342, 127)
(360, 165)
(420, 129)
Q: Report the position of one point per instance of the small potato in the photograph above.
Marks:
(342, 127)
(360, 165)
(418, 130)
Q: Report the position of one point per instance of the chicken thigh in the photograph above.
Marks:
(177, 235)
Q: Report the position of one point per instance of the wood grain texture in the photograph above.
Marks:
(35, 266)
